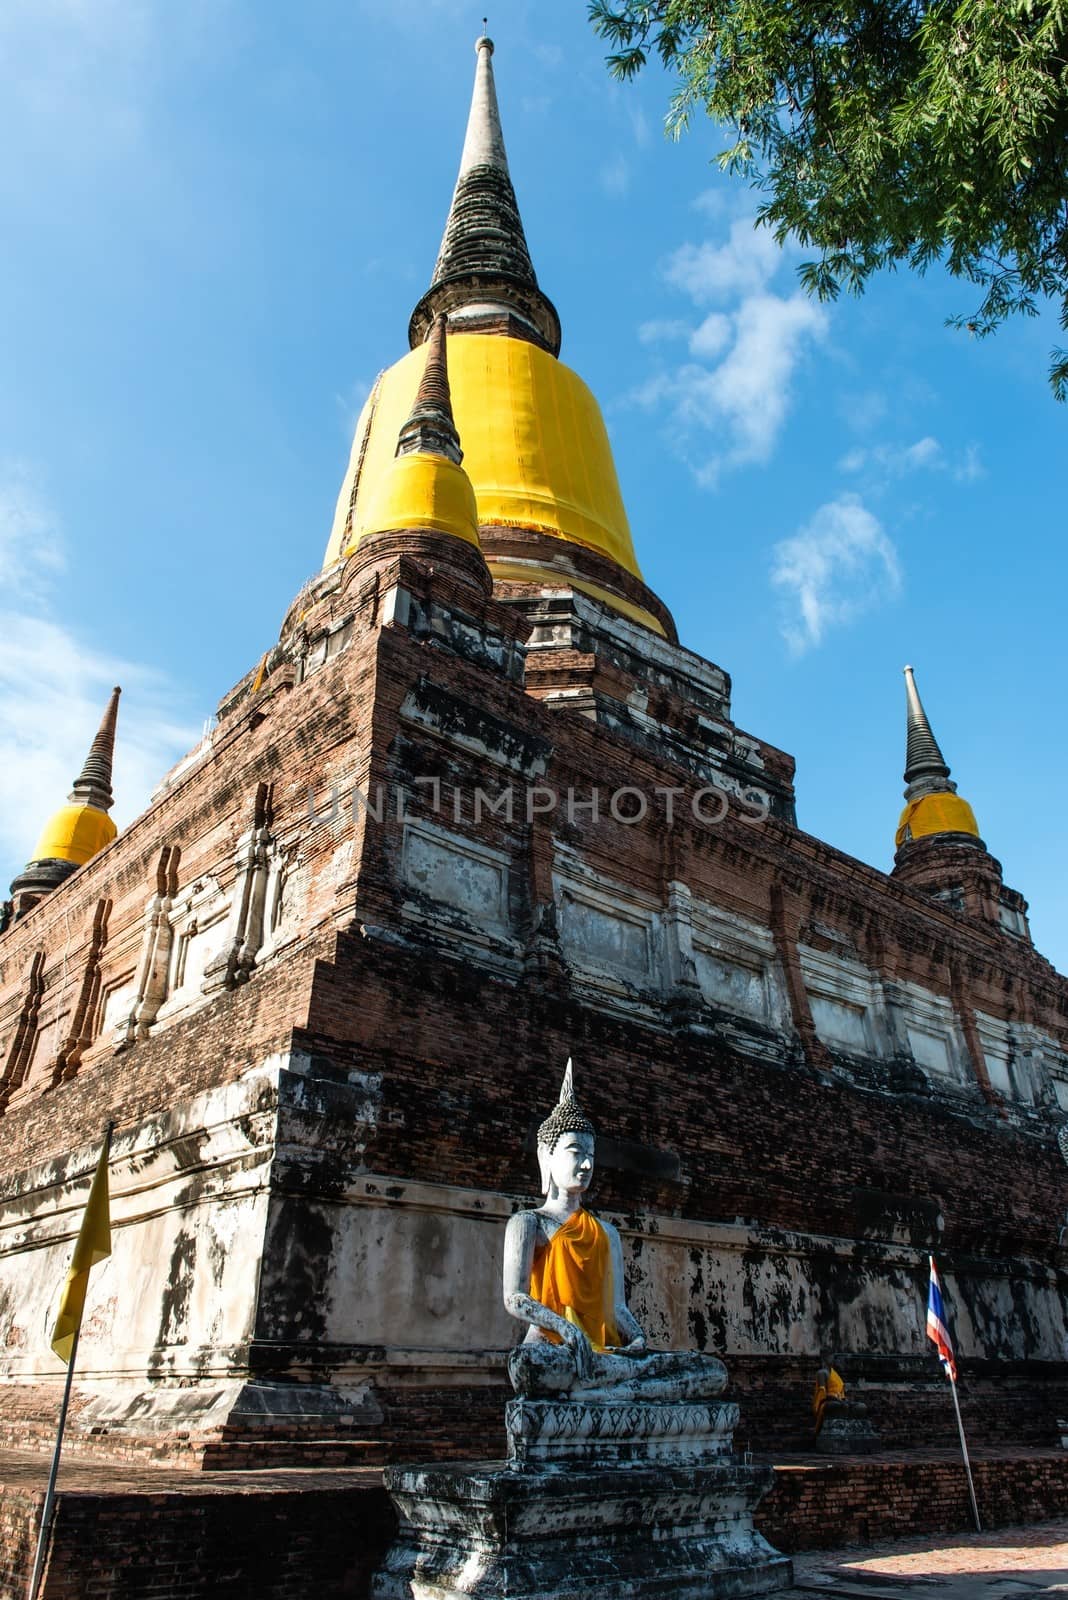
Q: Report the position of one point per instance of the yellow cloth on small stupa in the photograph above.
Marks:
(572, 1275)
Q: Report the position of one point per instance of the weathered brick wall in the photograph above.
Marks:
(911, 1409)
(244, 1545)
(790, 1146)
(463, 1035)
(20, 1512)
(288, 1540)
(858, 1503)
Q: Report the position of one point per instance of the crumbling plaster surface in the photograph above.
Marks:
(413, 1272)
(188, 1207)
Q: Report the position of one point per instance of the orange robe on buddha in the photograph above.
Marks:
(572, 1275)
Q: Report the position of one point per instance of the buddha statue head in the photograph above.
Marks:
(566, 1141)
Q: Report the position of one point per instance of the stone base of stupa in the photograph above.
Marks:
(577, 1526)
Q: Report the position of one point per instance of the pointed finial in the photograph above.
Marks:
(484, 273)
(431, 428)
(92, 787)
(926, 769)
(484, 140)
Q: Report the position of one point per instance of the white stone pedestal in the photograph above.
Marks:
(615, 1501)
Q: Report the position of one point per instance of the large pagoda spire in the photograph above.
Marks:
(484, 278)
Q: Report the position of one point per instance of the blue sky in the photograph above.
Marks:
(218, 217)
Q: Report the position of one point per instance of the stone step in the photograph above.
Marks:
(884, 1589)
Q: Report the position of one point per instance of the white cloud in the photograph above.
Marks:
(662, 328)
(53, 690)
(712, 336)
(54, 686)
(970, 468)
(713, 203)
(737, 387)
(864, 410)
(926, 454)
(743, 399)
(30, 553)
(615, 176)
(639, 123)
(709, 272)
(752, 385)
(838, 566)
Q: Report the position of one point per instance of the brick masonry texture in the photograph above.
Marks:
(860, 1502)
(150, 1536)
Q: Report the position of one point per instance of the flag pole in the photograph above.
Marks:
(964, 1452)
(89, 1248)
(48, 1510)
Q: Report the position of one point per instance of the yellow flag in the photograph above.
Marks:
(93, 1245)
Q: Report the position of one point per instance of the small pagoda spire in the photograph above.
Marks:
(424, 488)
(92, 787)
(484, 275)
(932, 804)
(431, 428)
(926, 768)
(79, 830)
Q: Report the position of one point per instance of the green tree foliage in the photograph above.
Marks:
(884, 132)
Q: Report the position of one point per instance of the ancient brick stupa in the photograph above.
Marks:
(370, 915)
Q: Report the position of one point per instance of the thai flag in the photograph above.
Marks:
(937, 1331)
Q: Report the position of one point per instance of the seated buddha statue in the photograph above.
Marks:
(563, 1277)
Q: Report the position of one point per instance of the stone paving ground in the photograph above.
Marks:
(1005, 1564)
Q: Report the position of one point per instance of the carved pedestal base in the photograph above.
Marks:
(598, 1501)
(625, 1533)
(548, 1435)
(846, 1431)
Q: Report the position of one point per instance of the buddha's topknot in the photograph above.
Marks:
(567, 1116)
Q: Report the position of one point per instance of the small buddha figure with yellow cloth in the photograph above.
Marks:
(563, 1277)
(829, 1390)
(841, 1425)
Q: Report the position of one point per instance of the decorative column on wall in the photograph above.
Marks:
(962, 1005)
(895, 1007)
(543, 954)
(80, 1035)
(785, 917)
(685, 998)
(156, 942)
(24, 1039)
(254, 860)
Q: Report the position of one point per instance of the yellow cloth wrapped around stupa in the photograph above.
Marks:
(572, 1275)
